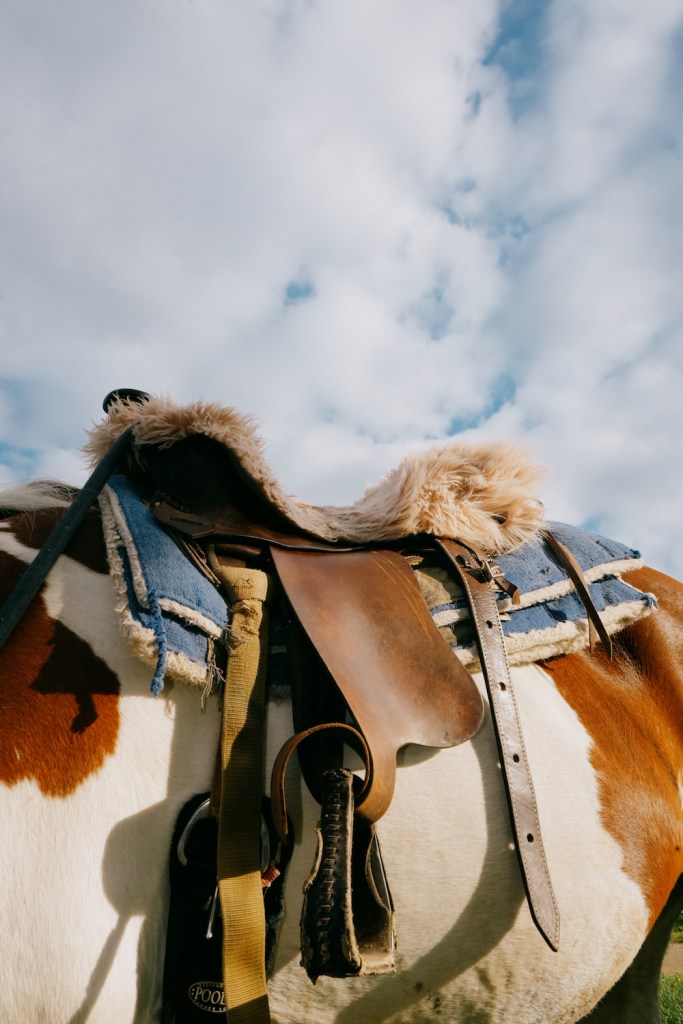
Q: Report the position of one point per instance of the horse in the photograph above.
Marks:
(95, 769)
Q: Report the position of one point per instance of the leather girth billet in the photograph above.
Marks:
(474, 573)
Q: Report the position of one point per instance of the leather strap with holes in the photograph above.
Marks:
(519, 788)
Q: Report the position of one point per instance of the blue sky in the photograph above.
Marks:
(519, 49)
(372, 226)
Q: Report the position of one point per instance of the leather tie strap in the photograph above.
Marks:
(569, 563)
(519, 786)
(352, 736)
(15, 606)
(242, 762)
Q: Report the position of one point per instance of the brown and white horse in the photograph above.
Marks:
(94, 770)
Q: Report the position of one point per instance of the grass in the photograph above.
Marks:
(671, 998)
(671, 988)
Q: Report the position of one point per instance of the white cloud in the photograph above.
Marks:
(173, 166)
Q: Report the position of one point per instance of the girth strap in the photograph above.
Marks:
(242, 760)
(519, 786)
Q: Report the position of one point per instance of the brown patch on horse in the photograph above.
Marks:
(86, 546)
(632, 707)
(60, 715)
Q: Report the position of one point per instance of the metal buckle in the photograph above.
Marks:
(489, 571)
(203, 812)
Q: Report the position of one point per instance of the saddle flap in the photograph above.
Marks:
(365, 616)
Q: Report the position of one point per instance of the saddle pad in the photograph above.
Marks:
(170, 614)
(173, 617)
(550, 619)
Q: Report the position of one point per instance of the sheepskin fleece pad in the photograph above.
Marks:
(484, 495)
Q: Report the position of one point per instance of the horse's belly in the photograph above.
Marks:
(467, 947)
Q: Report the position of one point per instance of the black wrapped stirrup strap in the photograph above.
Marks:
(347, 918)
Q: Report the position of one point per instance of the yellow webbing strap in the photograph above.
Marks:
(242, 754)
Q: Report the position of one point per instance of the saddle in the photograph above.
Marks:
(362, 620)
(363, 646)
(370, 668)
(366, 651)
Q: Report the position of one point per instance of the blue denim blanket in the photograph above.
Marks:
(170, 613)
(173, 616)
(550, 618)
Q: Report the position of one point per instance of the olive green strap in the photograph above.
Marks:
(242, 757)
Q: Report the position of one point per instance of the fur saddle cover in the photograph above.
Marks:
(482, 495)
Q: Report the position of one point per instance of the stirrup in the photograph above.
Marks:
(347, 919)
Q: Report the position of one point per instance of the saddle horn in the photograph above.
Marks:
(124, 395)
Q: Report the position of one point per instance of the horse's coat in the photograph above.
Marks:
(95, 771)
(637, 730)
(57, 742)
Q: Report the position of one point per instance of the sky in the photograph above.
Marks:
(374, 226)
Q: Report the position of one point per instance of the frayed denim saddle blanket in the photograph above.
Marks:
(550, 618)
(173, 617)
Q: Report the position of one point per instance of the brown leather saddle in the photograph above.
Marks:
(363, 623)
(366, 647)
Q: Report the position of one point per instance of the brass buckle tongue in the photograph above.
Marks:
(494, 574)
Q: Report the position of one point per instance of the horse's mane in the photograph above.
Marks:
(34, 495)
